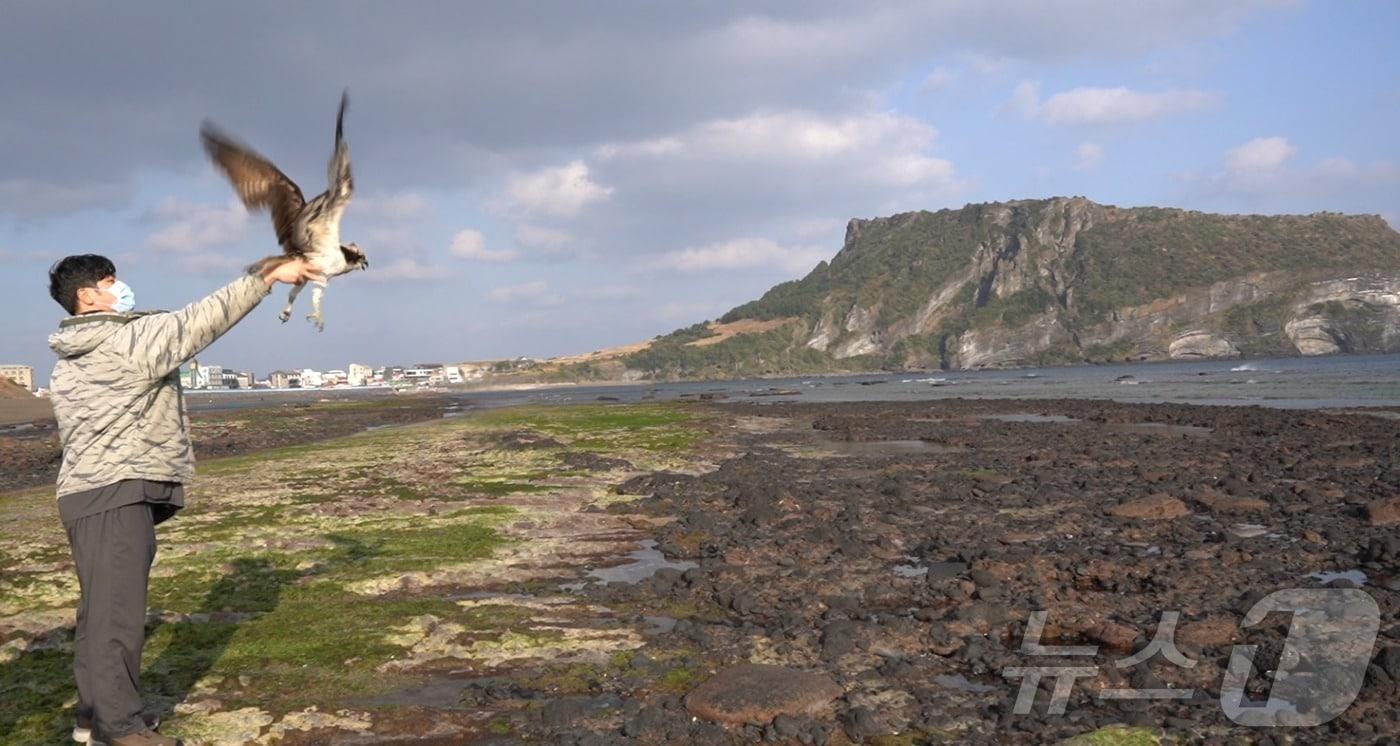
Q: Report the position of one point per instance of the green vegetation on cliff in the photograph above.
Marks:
(1151, 253)
(1050, 281)
(740, 356)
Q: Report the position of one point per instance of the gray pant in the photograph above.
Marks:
(113, 551)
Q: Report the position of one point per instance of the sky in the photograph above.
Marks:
(544, 178)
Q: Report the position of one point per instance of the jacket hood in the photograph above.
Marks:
(79, 335)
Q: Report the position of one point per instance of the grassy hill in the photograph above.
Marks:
(1059, 280)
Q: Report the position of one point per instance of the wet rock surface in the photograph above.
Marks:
(652, 593)
(32, 458)
(756, 693)
(910, 576)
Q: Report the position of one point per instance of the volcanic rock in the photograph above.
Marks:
(757, 693)
(1383, 512)
(1153, 507)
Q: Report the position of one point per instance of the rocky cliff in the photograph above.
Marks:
(1066, 280)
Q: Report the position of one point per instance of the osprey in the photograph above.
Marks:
(309, 230)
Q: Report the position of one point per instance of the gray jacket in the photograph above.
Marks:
(116, 387)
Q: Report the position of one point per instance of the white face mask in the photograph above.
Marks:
(126, 298)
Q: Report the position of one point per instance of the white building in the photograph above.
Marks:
(20, 374)
(206, 376)
(311, 379)
(359, 375)
(284, 379)
(452, 374)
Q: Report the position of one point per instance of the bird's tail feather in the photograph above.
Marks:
(267, 264)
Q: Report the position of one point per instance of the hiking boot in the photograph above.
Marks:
(139, 738)
(82, 729)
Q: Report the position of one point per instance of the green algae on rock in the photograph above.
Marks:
(275, 593)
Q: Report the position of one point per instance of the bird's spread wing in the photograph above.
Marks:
(340, 184)
(258, 183)
(319, 222)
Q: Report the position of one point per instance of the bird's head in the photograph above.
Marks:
(354, 257)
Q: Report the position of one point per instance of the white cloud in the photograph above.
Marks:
(471, 244)
(562, 191)
(209, 263)
(811, 228)
(398, 206)
(692, 311)
(742, 253)
(29, 198)
(533, 290)
(406, 268)
(191, 227)
(1106, 105)
(1265, 175)
(1339, 167)
(1258, 155)
(989, 64)
(605, 293)
(533, 236)
(398, 239)
(939, 79)
(873, 148)
(540, 295)
(1025, 99)
(1088, 156)
(1344, 170)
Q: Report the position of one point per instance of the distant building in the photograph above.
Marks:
(333, 377)
(311, 379)
(20, 374)
(474, 371)
(452, 374)
(206, 376)
(430, 373)
(359, 375)
(238, 380)
(284, 379)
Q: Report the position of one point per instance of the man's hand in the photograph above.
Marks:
(293, 272)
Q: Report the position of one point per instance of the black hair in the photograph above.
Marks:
(72, 273)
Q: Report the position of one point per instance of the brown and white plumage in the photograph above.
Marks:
(309, 230)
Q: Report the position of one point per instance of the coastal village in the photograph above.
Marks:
(209, 377)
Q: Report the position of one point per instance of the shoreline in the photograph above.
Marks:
(30, 458)
(549, 572)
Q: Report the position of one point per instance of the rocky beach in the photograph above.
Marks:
(220, 425)
(731, 572)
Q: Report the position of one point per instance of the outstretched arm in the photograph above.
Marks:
(161, 343)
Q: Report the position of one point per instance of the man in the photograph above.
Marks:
(126, 457)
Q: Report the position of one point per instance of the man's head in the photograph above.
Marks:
(80, 283)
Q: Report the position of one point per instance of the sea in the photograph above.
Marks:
(1334, 382)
